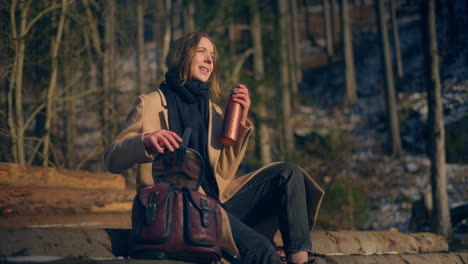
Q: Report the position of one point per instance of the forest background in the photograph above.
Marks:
(339, 87)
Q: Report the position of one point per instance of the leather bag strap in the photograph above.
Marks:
(183, 146)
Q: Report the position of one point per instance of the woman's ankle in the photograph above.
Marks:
(298, 257)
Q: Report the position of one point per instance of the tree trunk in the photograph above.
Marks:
(68, 118)
(176, 19)
(288, 135)
(328, 28)
(50, 112)
(167, 35)
(350, 79)
(294, 83)
(232, 45)
(140, 48)
(189, 17)
(441, 223)
(103, 64)
(259, 67)
(11, 115)
(95, 38)
(108, 73)
(396, 39)
(16, 119)
(335, 9)
(390, 98)
(296, 46)
(12, 87)
(157, 34)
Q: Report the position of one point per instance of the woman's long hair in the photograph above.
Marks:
(181, 54)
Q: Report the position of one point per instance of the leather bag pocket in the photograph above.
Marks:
(154, 214)
(202, 219)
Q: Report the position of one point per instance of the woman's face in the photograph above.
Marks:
(202, 63)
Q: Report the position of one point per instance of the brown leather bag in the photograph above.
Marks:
(171, 219)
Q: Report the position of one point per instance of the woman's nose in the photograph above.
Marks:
(208, 59)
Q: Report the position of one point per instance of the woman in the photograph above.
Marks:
(279, 191)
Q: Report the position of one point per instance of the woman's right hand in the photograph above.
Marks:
(162, 139)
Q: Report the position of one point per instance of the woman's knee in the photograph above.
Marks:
(291, 172)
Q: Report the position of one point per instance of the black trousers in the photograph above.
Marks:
(276, 191)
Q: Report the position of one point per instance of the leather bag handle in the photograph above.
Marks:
(181, 153)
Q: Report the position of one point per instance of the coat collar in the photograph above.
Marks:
(163, 99)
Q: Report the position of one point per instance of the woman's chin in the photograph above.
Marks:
(201, 78)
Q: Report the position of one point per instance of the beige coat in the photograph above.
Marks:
(149, 114)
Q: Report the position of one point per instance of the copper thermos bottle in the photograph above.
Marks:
(231, 122)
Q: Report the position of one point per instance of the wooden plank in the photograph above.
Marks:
(39, 201)
(93, 221)
(20, 175)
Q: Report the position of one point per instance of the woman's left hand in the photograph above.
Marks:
(240, 94)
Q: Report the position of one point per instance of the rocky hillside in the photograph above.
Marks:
(348, 147)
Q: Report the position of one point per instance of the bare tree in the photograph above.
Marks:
(68, 117)
(396, 39)
(295, 43)
(108, 72)
(291, 54)
(232, 36)
(259, 67)
(176, 19)
(288, 135)
(19, 30)
(94, 33)
(140, 47)
(327, 25)
(390, 98)
(105, 64)
(167, 35)
(336, 25)
(189, 16)
(15, 109)
(50, 113)
(441, 223)
(157, 36)
(350, 78)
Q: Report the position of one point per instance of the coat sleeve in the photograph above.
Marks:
(128, 148)
(231, 156)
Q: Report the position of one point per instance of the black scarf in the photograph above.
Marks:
(188, 105)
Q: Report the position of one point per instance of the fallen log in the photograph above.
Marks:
(55, 242)
(80, 260)
(426, 258)
(421, 258)
(62, 242)
(373, 242)
(21, 175)
(39, 201)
